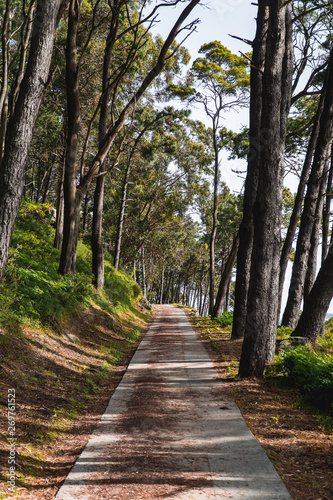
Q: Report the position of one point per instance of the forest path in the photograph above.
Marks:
(169, 431)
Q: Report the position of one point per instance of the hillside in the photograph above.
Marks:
(63, 349)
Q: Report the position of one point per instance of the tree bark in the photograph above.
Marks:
(121, 217)
(320, 163)
(21, 124)
(161, 287)
(72, 197)
(97, 222)
(316, 307)
(311, 271)
(225, 278)
(299, 197)
(60, 205)
(327, 211)
(214, 221)
(251, 183)
(260, 331)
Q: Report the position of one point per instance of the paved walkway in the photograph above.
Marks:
(170, 432)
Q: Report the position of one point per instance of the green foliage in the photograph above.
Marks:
(225, 320)
(326, 340)
(284, 332)
(311, 372)
(32, 290)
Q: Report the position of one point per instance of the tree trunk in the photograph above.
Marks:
(4, 79)
(48, 182)
(60, 206)
(215, 223)
(260, 331)
(21, 124)
(143, 264)
(225, 278)
(72, 198)
(97, 222)
(311, 271)
(161, 287)
(294, 219)
(96, 233)
(320, 163)
(204, 302)
(227, 298)
(121, 217)
(251, 183)
(318, 302)
(327, 211)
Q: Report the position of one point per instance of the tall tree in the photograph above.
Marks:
(259, 341)
(319, 171)
(251, 183)
(21, 124)
(76, 193)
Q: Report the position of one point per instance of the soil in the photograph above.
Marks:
(291, 435)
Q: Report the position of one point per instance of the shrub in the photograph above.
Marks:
(310, 372)
(283, 332)
(225, 320)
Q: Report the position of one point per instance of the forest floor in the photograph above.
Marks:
(51, 435)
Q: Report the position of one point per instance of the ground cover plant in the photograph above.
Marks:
(63, 349)
(297, 437)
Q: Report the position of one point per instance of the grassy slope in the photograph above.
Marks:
(63, 348)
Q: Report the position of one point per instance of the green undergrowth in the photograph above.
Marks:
(63, 345)
(32, 291)
(310, 371)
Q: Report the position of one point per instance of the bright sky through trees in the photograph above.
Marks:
(219, 19)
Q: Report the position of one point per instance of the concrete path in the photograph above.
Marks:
(170, 432)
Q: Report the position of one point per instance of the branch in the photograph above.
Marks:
(242, 39)
(155, 71)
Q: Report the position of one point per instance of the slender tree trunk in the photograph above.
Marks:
(60, 206)
(72, 197)
(47, 182)
(97, 222)
(121, 217)
(251, 183)
(161, 287)
(4, 79)
(215, 222)
(311, 271)
(167, 292)
(294, 219)
(225, 278)
(320, 164)
(227, 298)
(259, 341)
(21, 124)
(204, 302)
(143, 264)
(97, 233)
(318, 302)
(85, 213)
(327, 211)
